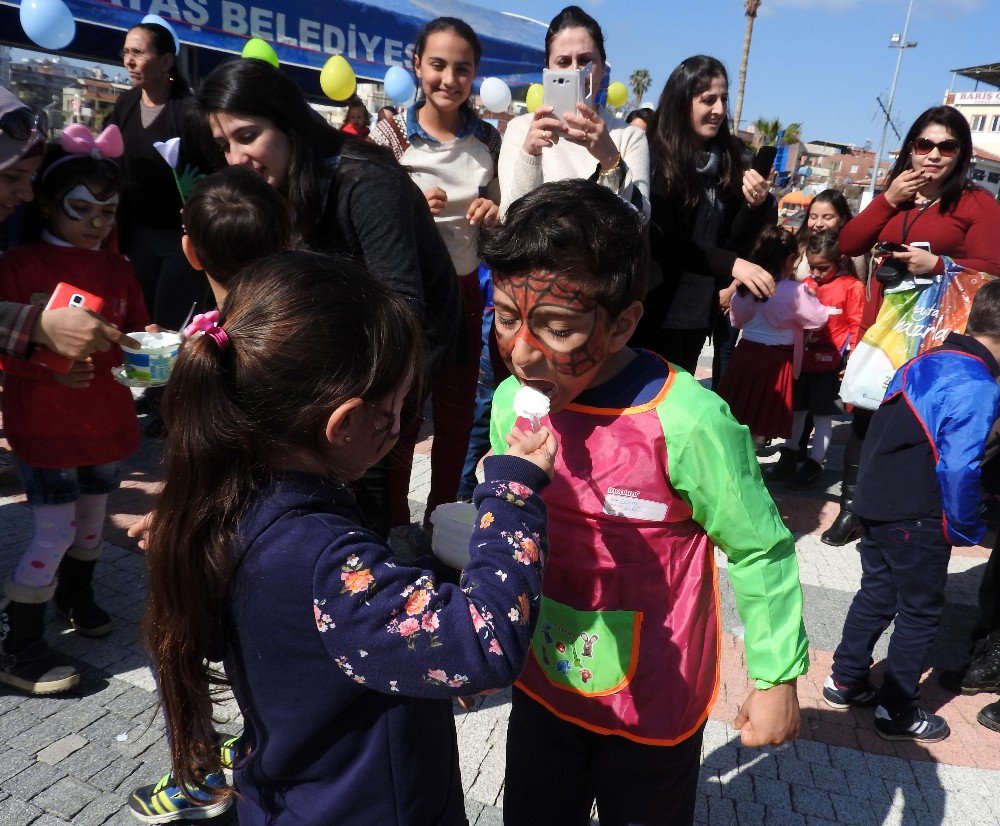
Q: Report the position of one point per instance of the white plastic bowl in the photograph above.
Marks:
(453, 527)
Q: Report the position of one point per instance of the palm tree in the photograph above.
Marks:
(751, 12)
(767, 131)
(639, 82)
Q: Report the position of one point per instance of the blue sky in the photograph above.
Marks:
(820, 62)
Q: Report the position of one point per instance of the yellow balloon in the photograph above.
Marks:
(337, 79)
(617, 94)
(260, 50)
(535, 96)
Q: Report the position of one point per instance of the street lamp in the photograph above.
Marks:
(896, 41)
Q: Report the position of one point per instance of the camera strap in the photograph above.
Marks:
(908, 225)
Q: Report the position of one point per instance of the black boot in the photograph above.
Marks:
(784, 467)
(75, 594)
(846, 527)
(26, 662)
(982, 674)
(990, 716)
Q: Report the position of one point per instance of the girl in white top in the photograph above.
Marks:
(452, 155)
(592, 144)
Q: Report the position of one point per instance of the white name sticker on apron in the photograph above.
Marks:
(629, 506)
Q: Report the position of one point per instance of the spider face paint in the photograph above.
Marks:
(552, 336)
(82, 219)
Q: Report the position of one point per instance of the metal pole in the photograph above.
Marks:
(892, 95)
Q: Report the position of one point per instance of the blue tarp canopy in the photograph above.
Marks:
(371, 34)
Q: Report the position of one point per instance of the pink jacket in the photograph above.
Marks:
(792, 307)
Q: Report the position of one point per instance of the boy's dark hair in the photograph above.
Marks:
(235, 217)
(984, 317)
(576, 229)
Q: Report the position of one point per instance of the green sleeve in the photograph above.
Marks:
(713, 467)
(502, 416)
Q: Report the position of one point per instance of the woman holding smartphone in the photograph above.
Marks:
(707, 210)
(590, 143)
(929, 201)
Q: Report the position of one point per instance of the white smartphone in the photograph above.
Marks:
(922, 280)
(563, 89)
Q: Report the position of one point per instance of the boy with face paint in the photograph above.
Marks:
(69, 431)
(652, 472)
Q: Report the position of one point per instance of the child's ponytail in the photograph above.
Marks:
(300, 334)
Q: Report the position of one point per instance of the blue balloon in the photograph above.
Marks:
(48, 23)
(399, 85)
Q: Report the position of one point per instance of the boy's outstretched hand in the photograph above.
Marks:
(769, 717)
(538, 448)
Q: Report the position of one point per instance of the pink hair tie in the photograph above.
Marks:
(208, 324)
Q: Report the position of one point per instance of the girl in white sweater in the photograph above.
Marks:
(452, 155)
(592, 144)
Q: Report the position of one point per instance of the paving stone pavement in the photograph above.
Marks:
(75, 758)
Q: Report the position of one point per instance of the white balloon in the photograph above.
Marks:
(495, 94)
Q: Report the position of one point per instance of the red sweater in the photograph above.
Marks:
(967, 234)
(825, 347)
(49, 424)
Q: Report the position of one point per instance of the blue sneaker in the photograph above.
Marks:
(840, 696)
(164, 802)
(917, 725)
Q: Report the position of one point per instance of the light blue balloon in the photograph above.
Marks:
(49, 23)
(399, 86)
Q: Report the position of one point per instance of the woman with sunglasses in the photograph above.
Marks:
(929, 199)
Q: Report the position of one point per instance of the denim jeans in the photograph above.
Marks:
(60, 486)
(904, 566)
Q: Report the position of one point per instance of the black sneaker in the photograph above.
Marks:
(844, 696)
(916, 725)
(807, 475)
(784, 467)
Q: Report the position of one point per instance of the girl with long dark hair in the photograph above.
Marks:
(343, 661)
(347, 197)
(707, 209)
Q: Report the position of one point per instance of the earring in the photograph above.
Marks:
(347, 438)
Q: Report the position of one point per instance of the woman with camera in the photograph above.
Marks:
(930, 209)
(590, 143)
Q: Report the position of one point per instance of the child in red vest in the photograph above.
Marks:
(826, 350)
(69, 431)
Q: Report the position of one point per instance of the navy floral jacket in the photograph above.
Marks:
(344, 661)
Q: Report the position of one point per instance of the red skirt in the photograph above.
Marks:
(757, 386)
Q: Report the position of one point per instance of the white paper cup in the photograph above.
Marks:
(453, 527)
(155, 360)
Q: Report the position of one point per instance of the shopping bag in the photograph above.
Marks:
(909, 322)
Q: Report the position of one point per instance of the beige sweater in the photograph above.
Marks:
(520, 172)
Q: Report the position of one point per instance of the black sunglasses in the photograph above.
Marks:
(23, 124)
(948, 148)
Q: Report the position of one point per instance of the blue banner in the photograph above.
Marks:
(371, 35)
